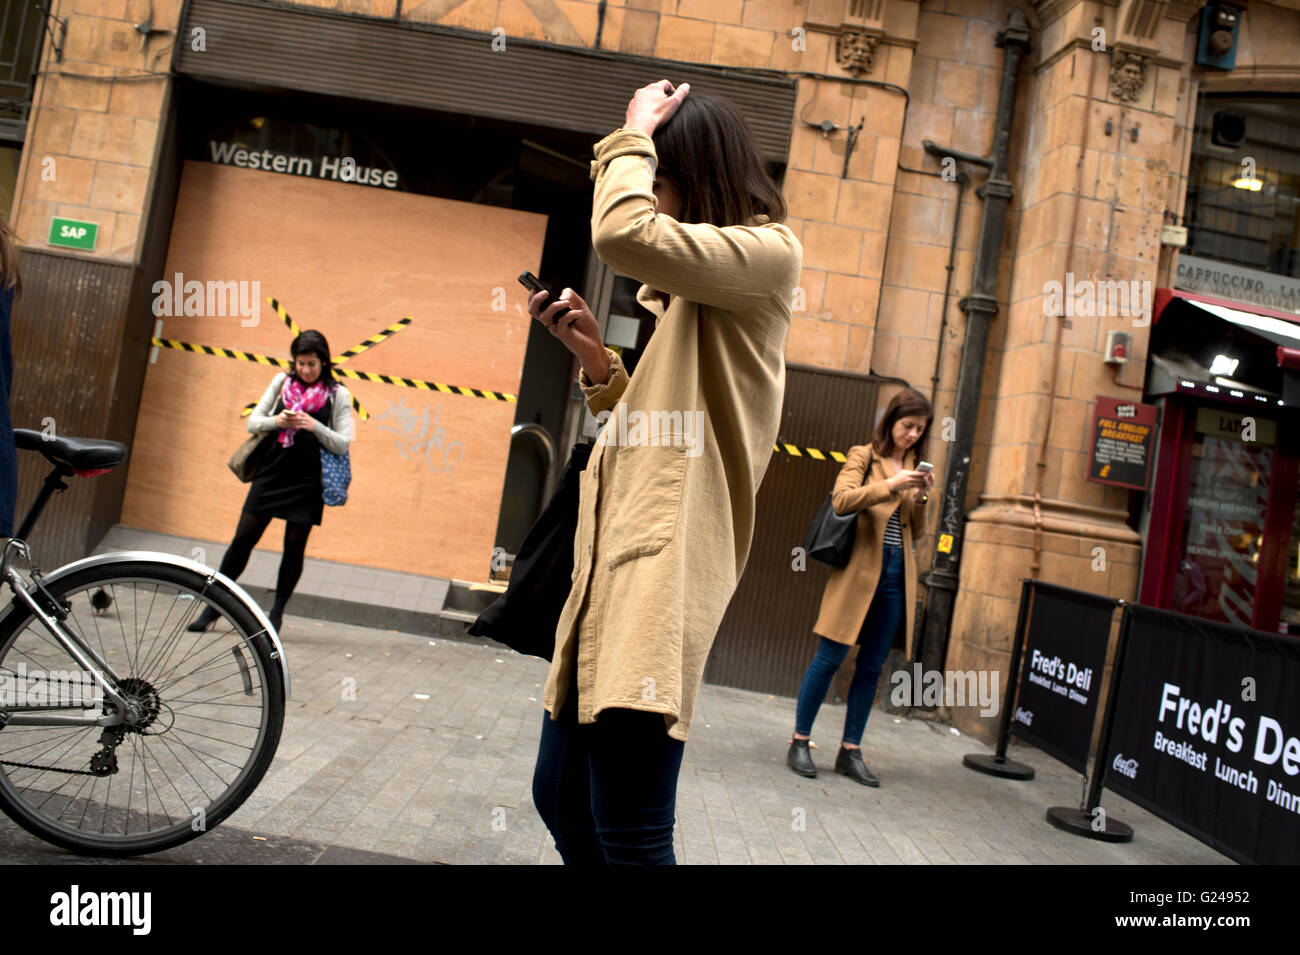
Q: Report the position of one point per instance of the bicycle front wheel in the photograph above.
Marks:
(209, 711)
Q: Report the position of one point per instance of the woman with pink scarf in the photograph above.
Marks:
(310, 410)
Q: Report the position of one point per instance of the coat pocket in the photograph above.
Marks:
(641, 503)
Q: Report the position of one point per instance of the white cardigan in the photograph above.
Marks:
(334, 439)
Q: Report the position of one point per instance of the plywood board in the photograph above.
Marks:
(428, 468)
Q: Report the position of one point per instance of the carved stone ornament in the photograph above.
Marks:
(855, 51)
(1128, 74)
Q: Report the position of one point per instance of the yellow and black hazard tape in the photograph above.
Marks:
(780, 447)
(797, 452)
(284, 316)
(427, 385)
(416, 383)
(373, 340)
(241, 356)
(221, 352)
(369, 343)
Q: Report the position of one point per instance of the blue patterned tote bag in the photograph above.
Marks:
(335, 475)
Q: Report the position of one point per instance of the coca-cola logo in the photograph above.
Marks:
(1128, 767)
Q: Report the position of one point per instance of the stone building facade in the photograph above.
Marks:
(1100, 144)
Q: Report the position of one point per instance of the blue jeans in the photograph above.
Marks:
(876, 637)
(607, 790)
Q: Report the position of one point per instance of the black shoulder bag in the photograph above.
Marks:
(525, 617)
(829, 540)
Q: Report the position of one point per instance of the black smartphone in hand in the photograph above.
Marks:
(531, 282)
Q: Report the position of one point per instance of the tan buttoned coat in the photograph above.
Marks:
(850, 589)
(666, 511)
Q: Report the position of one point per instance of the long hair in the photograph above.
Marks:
(312, 342)
(906, 403)
(709, 153)
(9, 277)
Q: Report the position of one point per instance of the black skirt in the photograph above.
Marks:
(287, 484)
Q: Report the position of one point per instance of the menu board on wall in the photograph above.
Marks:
(1123, 433)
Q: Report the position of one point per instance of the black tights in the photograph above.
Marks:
(248, 533)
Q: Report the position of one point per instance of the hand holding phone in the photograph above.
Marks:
(926, 468)
(531, 282)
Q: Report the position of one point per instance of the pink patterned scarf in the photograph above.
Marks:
(298, 398)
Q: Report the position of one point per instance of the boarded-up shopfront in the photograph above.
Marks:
(348, 260)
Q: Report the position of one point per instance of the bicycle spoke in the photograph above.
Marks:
(217, 665)
(122, 626)
(163, 649)
(167, 678)
(200, 730)
(167, 776)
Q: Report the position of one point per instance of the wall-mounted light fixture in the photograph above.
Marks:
(1224, 365)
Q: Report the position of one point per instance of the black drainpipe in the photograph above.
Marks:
(600, 22)
(980, 306)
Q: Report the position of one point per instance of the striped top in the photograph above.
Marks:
(893, 530)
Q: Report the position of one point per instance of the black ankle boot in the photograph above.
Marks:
(800, 759)
(849, 763)
(203, 620)
(276, 616)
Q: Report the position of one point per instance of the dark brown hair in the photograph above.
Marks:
(906, 403)
(312, 342)
(9, 277)
(709, 153)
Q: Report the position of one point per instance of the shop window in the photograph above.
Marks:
(1223, 534)
(1243, 199)
(10, 154)
(1291, 583)
(21, 32)
(630, 324)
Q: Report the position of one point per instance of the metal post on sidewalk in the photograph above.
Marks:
(998, 764)
(1091, 820)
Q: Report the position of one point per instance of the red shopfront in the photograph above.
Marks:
(1221, 523)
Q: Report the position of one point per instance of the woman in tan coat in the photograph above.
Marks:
(865, 601)
(683, 204)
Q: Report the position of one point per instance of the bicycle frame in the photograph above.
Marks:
(88, 659)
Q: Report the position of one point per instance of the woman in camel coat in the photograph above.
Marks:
(683, 204)
(865, 601)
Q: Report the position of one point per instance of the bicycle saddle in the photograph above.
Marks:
(83, 454)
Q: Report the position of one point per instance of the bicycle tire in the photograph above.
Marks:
(253, 655)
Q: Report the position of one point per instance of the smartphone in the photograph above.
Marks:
(925, 466)
(531, 282)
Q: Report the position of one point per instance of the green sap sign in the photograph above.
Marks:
(72, 234)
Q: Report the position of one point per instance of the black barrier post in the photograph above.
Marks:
(998, 764)
(1081, 821)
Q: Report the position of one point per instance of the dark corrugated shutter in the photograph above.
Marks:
(67, 331)
(252, 44)
(766, 639)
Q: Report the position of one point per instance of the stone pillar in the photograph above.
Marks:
(1111, 95)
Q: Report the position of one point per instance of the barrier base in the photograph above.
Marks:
(1006, 768)
(1080, 823)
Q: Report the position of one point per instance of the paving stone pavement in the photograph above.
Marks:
(432, 761)
(448, 778)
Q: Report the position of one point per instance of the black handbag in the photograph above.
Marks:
(525, 617)
(829, 540)
(248, 456)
